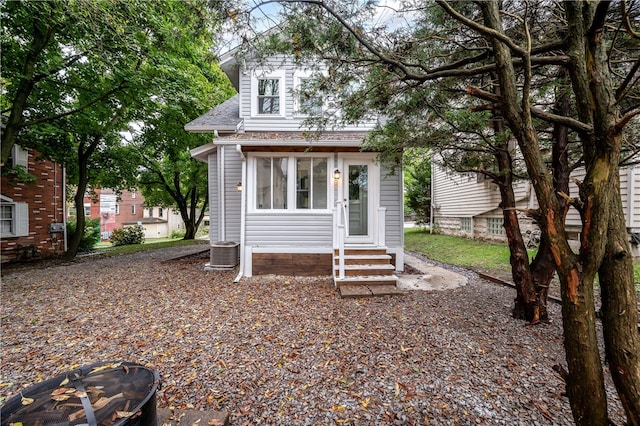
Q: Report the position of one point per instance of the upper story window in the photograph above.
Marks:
(294, 182)
(308, 101)
(267, 92)
(160, 211)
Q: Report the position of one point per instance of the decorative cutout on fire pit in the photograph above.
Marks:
(103, 394)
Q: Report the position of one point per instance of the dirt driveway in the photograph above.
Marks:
(283, 350)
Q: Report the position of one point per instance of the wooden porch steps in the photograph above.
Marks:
(368, 272)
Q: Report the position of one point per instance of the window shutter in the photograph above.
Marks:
(21, 157)
(22, 219)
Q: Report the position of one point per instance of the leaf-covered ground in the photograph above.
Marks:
(285, 350)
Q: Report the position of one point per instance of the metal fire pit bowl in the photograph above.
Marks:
(102, 394)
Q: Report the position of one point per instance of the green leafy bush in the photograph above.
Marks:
(126, 236)
(91, 235)
(177, 234)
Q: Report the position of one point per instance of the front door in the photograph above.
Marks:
(359, 200)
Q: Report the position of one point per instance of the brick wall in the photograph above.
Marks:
(45, 200)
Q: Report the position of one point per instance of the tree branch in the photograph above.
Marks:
(481, 28)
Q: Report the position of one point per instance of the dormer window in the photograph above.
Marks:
(269, 96)
(267, 89)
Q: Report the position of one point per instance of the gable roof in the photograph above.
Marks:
(223, 118)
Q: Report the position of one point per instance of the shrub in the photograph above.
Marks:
(91, 235)
(177, 234)
(126, 236)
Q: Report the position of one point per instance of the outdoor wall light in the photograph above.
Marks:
(336, 174)
(239, 186)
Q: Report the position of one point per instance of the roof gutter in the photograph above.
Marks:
(243, 208)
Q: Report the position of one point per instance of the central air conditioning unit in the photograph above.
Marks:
(224, 254)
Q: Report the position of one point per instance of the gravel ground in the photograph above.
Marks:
(287, 350)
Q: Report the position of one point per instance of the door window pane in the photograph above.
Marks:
(358, 199)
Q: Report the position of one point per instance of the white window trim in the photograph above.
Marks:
(291, 182)
(20, 156)
(267, 74)
(19, 217)
(298, 76)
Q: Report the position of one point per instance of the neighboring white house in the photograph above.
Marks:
(282, 196)
(465, 205)
(159, 222)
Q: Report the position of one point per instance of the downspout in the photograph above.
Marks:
(433, 204)
(631, 199)
(243, 201)
(221, 194)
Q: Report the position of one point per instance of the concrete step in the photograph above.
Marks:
(364, 270)
(365, 280)
(364, 259)
(362, 251)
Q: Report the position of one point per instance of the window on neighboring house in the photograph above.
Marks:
(160, 212)
(133, 209)
(308, 100)
(87, 209)
(494, 226)
(292, 182)
(465, 224)
(151, 212)
(117, 209)
(133, 194)
(14, 218)
(18, 157)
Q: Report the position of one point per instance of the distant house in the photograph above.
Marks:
(466, 205)
(294, 204)
(128, 209)
(32, 213)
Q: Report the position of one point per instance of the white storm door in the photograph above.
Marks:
(359, 196)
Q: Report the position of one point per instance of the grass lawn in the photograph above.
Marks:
(149, 244)
(466, 252)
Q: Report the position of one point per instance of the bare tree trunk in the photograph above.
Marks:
(620, 312)
(585, 383)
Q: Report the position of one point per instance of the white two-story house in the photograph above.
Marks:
(294, 201)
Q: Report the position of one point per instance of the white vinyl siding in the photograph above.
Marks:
(391, 199)
(287, 120)
(289, 230)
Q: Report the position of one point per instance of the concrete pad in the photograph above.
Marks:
(168, 417)
(433, 277)
(350, 291)
(385, 290)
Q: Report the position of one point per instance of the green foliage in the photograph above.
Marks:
(417, 185)
(128, 235)
(19, 174)
(90, 237)
(177, 234)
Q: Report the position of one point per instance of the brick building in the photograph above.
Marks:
(114, 210)
(32, 211)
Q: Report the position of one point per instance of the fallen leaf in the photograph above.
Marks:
(64, 382)
(215, 422)
(27, 401)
